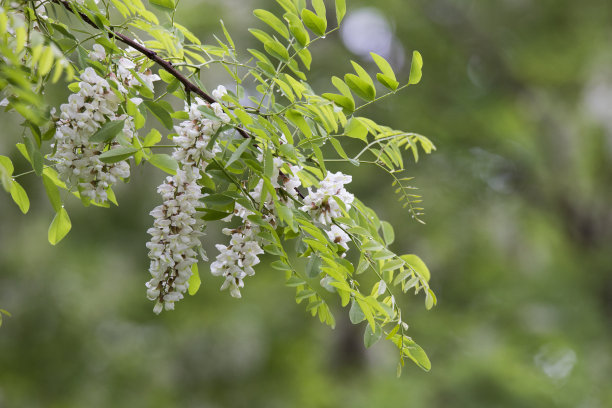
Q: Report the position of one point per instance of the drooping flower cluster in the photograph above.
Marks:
(174, 238)
(236, 260)
(320, 203)
(175, 233)
(77, 158)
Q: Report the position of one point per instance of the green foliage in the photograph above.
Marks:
(280, 131)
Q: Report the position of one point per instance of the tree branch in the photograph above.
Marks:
(153, 56)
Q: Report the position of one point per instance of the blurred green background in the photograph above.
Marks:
(517, 96)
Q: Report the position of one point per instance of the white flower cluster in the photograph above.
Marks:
(174, 238)
(77, 158)
(236, 260)
(320, 204)
(194, 135)
(86, 111)
(175, 233)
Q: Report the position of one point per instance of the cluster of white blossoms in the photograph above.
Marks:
(174, 238)
(87, 110)
(175, 242)
(77, 158)
(236, 260)
(320, 203)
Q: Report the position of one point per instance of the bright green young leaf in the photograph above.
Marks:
(416, 68)
(319, 7)
(194, 281)
(20, 197)
(273, 21)
(45, 63)
(297, 29)
(169, 4)
(348, 104)
(60, 226)
(340, 10)
(52, 193)
(383, 65)
(418, 265)
(387, 82)
(416, 354)
(315, 23)
(276, 49)
(364, 89)
(164, 162)
(107, 132)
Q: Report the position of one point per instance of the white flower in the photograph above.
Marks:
(98, 53)
(321, 205)
(338, 236)
(219, 92)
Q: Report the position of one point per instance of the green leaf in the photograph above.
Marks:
(416, 354)
(416, 68)
(213, 215)
(387, 81)
(238, 152)
(169, 4)
(20, 197)
(52, 193)
(319, 7)
(60, 226)
(371, 336)
(107, 132)
(117, 154)
(340, 10)
(164, 162)
(313, 267)
(7, 164)
(388, 234)
(355, 314)
(36, 158)
(273, 21)
(160, 113)
(348, 104)
(277, 50)
(430, 299)
(418, 265)
(367, 311)
(354, 128)
(383, 65)
(45, 63)
(297, 29)
(362, 88)
(372, 245)
(268, 163)
(315, 23)
(194, 280)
